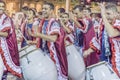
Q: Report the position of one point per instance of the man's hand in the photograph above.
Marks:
(33, 35)
(87, 52)
(30, 32)
(29, 42)
(102, 7)
(71, 16)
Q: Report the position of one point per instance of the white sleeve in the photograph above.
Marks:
(36, 23)
(55, 28)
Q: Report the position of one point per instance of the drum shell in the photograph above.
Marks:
(76, 66)
(101, 71)
(36, 65)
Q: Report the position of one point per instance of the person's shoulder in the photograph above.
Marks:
(117, 22)
(6, 19)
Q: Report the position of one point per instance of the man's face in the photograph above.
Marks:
(86, 13)
(2, 8)
(65, 18)
(77, 13)
(110, 15)
(30, 14)
(46, 11)
(25, 12)
(58, 12)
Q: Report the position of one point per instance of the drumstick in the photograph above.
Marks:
(22, 35)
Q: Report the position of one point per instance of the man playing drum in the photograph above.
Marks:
(29, 24)
(76, 72)
(111, 29)
(78, 40)
(52, 40)
(9, 58)
(84, 31)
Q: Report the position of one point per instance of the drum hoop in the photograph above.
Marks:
(23, 48)
(103, 62)
(28, 53)
(69, 44)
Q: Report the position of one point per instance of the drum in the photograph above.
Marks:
(101, 71)
(76, 66)
(36, 65)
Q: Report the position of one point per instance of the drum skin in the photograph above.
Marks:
(101, 71)
(36, 65)
(76, 66)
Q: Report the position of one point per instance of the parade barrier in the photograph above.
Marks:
(101, 71)
(76, 66)
(36, 65)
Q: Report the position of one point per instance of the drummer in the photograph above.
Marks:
(69, 29)
(69, 41)
(89, 33)
(29, 24)
(84, 31)
(52, 40)
(9, 57)
(109, 35)
(60, 12)
(76, 17)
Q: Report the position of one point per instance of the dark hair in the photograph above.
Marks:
(88, 9)
(1, 1)
(111, 6)
(96, 15)
(32, 11)
(62, 10)
(25, 8)
(50, 4)
(78, 7)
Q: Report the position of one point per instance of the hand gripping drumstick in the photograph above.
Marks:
(22, 35)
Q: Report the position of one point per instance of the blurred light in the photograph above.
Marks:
(25, 4)
(38, 7)
(32, 5)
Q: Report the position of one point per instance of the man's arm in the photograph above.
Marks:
(3, 34)
(51, 38)
(112, 32)
(65, 27)
(83, 27)
(87, 52)
(94, 47)
(74, 20)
